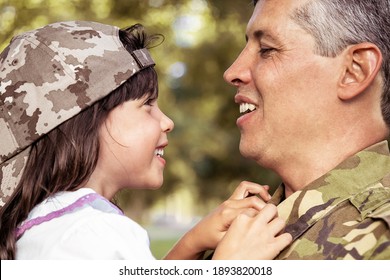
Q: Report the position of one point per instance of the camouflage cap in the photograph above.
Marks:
(49, 75)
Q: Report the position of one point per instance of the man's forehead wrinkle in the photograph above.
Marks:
(259, 34)
(261, 26)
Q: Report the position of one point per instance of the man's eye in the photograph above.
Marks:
(264, 52)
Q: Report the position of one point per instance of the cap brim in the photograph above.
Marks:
(10, 174)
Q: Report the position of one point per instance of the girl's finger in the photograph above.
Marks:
(267, 214)
(283, 240)
(248, 202)
(246, 189)
(276, 225)
(250, 212)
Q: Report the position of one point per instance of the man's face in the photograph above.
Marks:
(289, 86)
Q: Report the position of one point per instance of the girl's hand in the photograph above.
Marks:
(248, 197)
(254, 237)
(211, 229)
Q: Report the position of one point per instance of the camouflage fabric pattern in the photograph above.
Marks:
(345, 214)
(49, 75)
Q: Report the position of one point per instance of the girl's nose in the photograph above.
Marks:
(167, 124)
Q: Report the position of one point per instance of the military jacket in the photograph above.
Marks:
(345, 214)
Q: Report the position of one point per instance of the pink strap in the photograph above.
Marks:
(92, 199)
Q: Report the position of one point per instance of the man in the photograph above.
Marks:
(313, 87)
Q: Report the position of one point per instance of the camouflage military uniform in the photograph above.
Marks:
(345, 214)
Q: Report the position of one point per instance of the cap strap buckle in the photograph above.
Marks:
(143, 58)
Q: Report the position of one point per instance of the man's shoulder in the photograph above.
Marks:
(374, 201)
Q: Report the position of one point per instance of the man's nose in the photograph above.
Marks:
(239, 71)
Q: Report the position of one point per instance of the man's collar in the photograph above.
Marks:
(347, 179)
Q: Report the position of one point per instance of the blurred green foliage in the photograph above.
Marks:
(202, 38)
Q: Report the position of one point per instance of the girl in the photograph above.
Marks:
(79, 122)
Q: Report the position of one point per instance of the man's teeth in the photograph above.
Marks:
(159, 152)
(246, 108)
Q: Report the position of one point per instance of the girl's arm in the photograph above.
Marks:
(210, 230)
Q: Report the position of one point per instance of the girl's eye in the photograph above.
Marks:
(150, 101)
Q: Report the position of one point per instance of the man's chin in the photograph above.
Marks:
(248, 152)
(245, 151)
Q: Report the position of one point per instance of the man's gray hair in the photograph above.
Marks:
(336, 24)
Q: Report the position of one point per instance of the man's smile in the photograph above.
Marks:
(247, 108)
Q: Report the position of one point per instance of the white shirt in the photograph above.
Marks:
(96, 230)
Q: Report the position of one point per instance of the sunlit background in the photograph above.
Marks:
(202, 38)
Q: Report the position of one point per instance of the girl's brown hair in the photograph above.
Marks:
(64, 159)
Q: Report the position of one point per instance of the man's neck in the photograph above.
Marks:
(305, 170)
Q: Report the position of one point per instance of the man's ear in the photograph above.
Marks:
(362, 64)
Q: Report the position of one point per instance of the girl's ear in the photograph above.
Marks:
(362, 64)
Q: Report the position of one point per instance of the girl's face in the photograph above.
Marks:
(132, 142)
